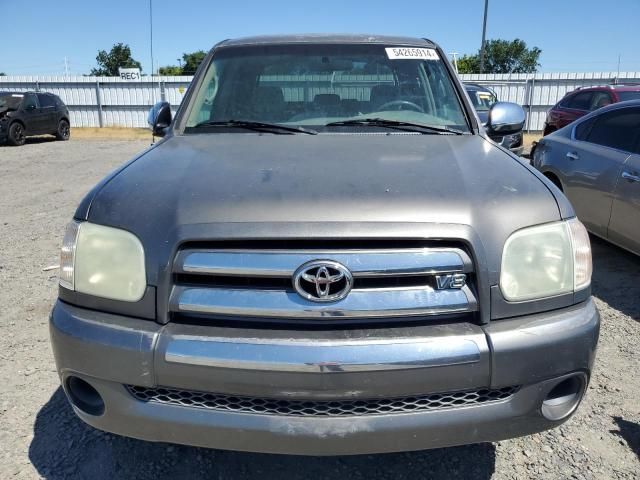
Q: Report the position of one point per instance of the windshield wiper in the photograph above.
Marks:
(257, 126)
(397, 124)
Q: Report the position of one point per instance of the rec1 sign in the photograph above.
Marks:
(130, 74)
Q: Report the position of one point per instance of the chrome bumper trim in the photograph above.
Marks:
(365, 303)
(324, 357)
(361, 263)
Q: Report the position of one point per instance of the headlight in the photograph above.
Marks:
(102, 261)
(545, 261)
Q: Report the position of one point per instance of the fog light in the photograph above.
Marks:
(84, 396)
(564, 397)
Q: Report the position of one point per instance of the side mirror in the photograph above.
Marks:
(159, 118)
(505, 119)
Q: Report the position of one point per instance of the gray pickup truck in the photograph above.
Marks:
(325, 254)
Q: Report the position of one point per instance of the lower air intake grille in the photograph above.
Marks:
(309, 408)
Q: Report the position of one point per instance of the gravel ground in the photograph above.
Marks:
(40, 186)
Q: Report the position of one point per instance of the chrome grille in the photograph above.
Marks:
(309, 408)
(249, 283)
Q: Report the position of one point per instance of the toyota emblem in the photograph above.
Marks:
(323, 281)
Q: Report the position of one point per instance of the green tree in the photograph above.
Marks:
(170, 70)
(2, 74)
(190, 63)
(109, 62)
(469, 64)
(503, 56)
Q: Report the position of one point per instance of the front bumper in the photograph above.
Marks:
(533, 352)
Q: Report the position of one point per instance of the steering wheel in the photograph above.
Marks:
(400, 104)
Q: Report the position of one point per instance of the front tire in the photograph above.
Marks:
(64, 131)
(16, 135)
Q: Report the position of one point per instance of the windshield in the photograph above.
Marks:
(482, 100)
(624, 96)
(314, 85)
(10, 101)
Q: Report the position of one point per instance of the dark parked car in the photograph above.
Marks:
(578, 103)
(595, 161)
(32, 113)
(325, 254)
(483, 99)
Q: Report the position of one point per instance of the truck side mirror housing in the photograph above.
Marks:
(505, 118)
(159, 118)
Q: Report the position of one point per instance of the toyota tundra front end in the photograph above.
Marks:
(325, 254)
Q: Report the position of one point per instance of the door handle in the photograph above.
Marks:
(630, 177)
(572, 156)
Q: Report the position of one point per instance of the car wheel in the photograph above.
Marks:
(16, 135)
(555, 180)
(64, 130)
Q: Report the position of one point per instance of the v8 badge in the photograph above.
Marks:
(451, 280)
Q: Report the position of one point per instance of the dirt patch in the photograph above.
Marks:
(111, 133)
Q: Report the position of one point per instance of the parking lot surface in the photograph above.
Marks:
(40, 186)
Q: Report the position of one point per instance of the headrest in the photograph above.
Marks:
(326, 99)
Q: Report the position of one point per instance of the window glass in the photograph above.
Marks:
(624, 96)
(30, 101)
(10, 101)
(617, 129)
(318, 84)
(46, 100)
(482, 100)
(600, 99)
(583, 128)
(581, 101)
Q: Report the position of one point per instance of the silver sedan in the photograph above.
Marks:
(595, 161)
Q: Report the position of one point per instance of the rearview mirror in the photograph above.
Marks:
(505, 118)
(159, 118)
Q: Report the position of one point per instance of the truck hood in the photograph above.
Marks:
(191, 186)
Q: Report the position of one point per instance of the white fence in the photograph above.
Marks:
(109, 101)
(105, 101)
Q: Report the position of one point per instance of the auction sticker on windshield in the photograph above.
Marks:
(397, 53)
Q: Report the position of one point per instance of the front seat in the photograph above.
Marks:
(269, 104)
(328, 104)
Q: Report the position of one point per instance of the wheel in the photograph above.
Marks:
(16, 135)
(399, 105)
(64, 130)
(555, 180)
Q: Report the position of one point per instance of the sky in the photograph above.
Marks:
(574, 35)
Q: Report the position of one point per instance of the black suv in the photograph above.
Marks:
(30, 113)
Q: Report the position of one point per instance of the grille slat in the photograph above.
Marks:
(361, 263)
(358, 304)
(313, 408)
